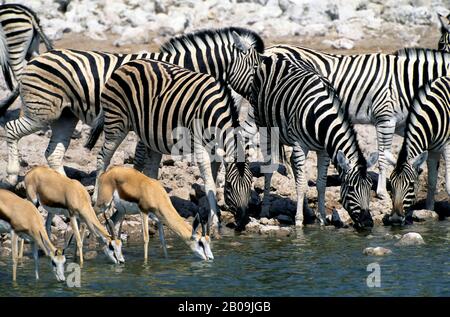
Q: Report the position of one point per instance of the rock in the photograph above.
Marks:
(59, 223)
(285, 219)
(424, 215)
(5, 251)
(275, 230)
(342, 43)
(411, 238)
(377, 251)
(90, 255)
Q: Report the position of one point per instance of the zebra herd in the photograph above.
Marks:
(313, 98)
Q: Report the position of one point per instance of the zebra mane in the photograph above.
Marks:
(201, 35)
(413, 53)
(306, 65)
(21, 6)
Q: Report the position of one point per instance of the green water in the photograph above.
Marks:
(315, 262)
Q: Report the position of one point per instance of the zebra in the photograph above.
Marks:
(293, 97)
(444, 40)
(427, 136)
(20, 34)
(375, 88)
(153, 98)
(62, 86)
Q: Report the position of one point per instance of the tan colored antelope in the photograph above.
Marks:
(133, 192)
(21, 218)
(58, 194)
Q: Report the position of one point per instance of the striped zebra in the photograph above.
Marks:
(20, 35)
(375, 88)
(427, 136)
(293, 97)
(62, 86)
(444, 40)
(153, 99)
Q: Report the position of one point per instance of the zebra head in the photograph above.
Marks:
(247, 49)
(444, 41)
(238, 183)
(404, 183)
(356, 189)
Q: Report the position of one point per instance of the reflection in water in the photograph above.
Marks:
(316, 261)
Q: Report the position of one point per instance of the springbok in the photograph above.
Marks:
(58, 194)
(21, 218)
(133, 192)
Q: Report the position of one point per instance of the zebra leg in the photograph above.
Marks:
(48, 224)
(433, 167)
(140, 153)
(267, 169)
(62, 130)
(204, 164)
(15, 130)
(385, 133)
(151, 163)
(447, 167)
(323, 161)
(112, 141)
(298, 160)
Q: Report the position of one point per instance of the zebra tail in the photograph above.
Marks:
(8, 101)
(96, 130)
(5, 61)
(48, 44)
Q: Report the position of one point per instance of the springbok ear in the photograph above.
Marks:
(390, 158)
(240, 43)
(445, 22)
(342, 161)
(373, 158)
(417, 161)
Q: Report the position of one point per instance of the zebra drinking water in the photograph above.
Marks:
(153, 99)
(293, 97)
(427, 136)
(375, 88)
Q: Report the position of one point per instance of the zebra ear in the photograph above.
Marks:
(445, 22)
(240, 43)
(417, 161)
(390, 158)
(373, 158)
(342, 161)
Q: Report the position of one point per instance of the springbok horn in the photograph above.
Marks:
(195, 225)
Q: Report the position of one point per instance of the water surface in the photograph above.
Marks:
(314, 262)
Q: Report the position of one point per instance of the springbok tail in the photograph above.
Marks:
(8, 101)
(96, 130)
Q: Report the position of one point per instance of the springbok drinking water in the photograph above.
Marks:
(133, 192)
(21, 218)
(58, 194)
